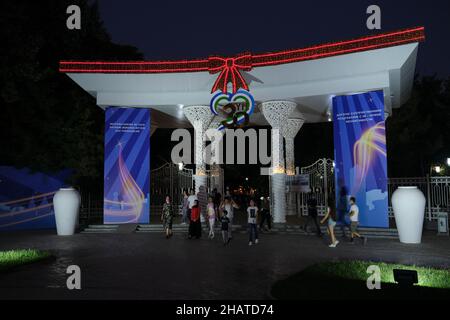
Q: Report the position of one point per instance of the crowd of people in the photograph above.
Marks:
(211, 209)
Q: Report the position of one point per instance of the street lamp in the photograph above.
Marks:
(448, 162)
(437, 169)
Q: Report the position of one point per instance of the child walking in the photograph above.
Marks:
(252, 212)
(211, 212)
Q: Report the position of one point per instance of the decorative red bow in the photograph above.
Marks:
(229, 71)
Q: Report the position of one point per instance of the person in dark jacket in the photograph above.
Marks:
(312, 215)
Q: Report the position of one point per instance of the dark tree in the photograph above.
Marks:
(49, 123)
(418, 134)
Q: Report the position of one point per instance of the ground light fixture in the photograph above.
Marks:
(405, 278)
(437, 169)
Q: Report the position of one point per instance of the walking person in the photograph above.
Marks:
(211, 213)
(312, 215)
(185, 207)
(229, 205)
(354, 221)
(252, 213)
(167, 217)
(265, 214)
(224, 221)
(202, 197)
(217, 200)
(195, 227)
(331, 218)
(342, 210)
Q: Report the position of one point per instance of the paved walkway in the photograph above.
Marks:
(148, 266)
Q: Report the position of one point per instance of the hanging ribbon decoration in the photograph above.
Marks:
(229, 69)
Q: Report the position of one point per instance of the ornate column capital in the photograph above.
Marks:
(198, 116)
(277, 112)
(292, 127)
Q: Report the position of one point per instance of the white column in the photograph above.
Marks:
(290, 131)
(215, 170)
(200, 118)
(277, 113)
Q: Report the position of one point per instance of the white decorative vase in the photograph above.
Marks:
(409, 211)
(66, 203)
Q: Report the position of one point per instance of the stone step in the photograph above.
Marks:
(103, 226)
(99, 231)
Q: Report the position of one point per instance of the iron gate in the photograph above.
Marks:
(321, 182)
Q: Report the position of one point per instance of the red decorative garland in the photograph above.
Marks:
(230, 68)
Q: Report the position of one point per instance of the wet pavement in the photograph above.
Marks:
(148, 266)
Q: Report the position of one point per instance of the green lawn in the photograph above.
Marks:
(347, 280)
(12, 258)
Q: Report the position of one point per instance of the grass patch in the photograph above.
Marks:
(347, 280)
(13, 258)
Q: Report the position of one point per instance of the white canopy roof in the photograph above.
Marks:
(311, 84)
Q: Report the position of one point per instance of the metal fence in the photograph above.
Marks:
(168, 179)
(436, 189)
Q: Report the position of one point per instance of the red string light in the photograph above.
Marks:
(230, 68)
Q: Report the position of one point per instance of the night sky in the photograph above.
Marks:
(187, 29)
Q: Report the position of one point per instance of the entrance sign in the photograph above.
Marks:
(127, 165)
(360, 155)
(299, 183)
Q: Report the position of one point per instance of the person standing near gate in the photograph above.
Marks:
(195, 226)
(224, 221)
(202, 197)
(211, 213)
(191, 200)
(252, 213)
(342, 209)
(312, 215)
(185, 207)
(229, 205)
(265, 214)
(167, 217)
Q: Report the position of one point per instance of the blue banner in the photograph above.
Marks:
(127, 166)
(360, 156)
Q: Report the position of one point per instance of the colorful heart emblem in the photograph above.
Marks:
(234, 108)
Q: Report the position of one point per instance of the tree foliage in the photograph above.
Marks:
(49, 123)
(418, 134)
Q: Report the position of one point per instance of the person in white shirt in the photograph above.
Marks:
(354, 220)
(252, 212)
(191, 201)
